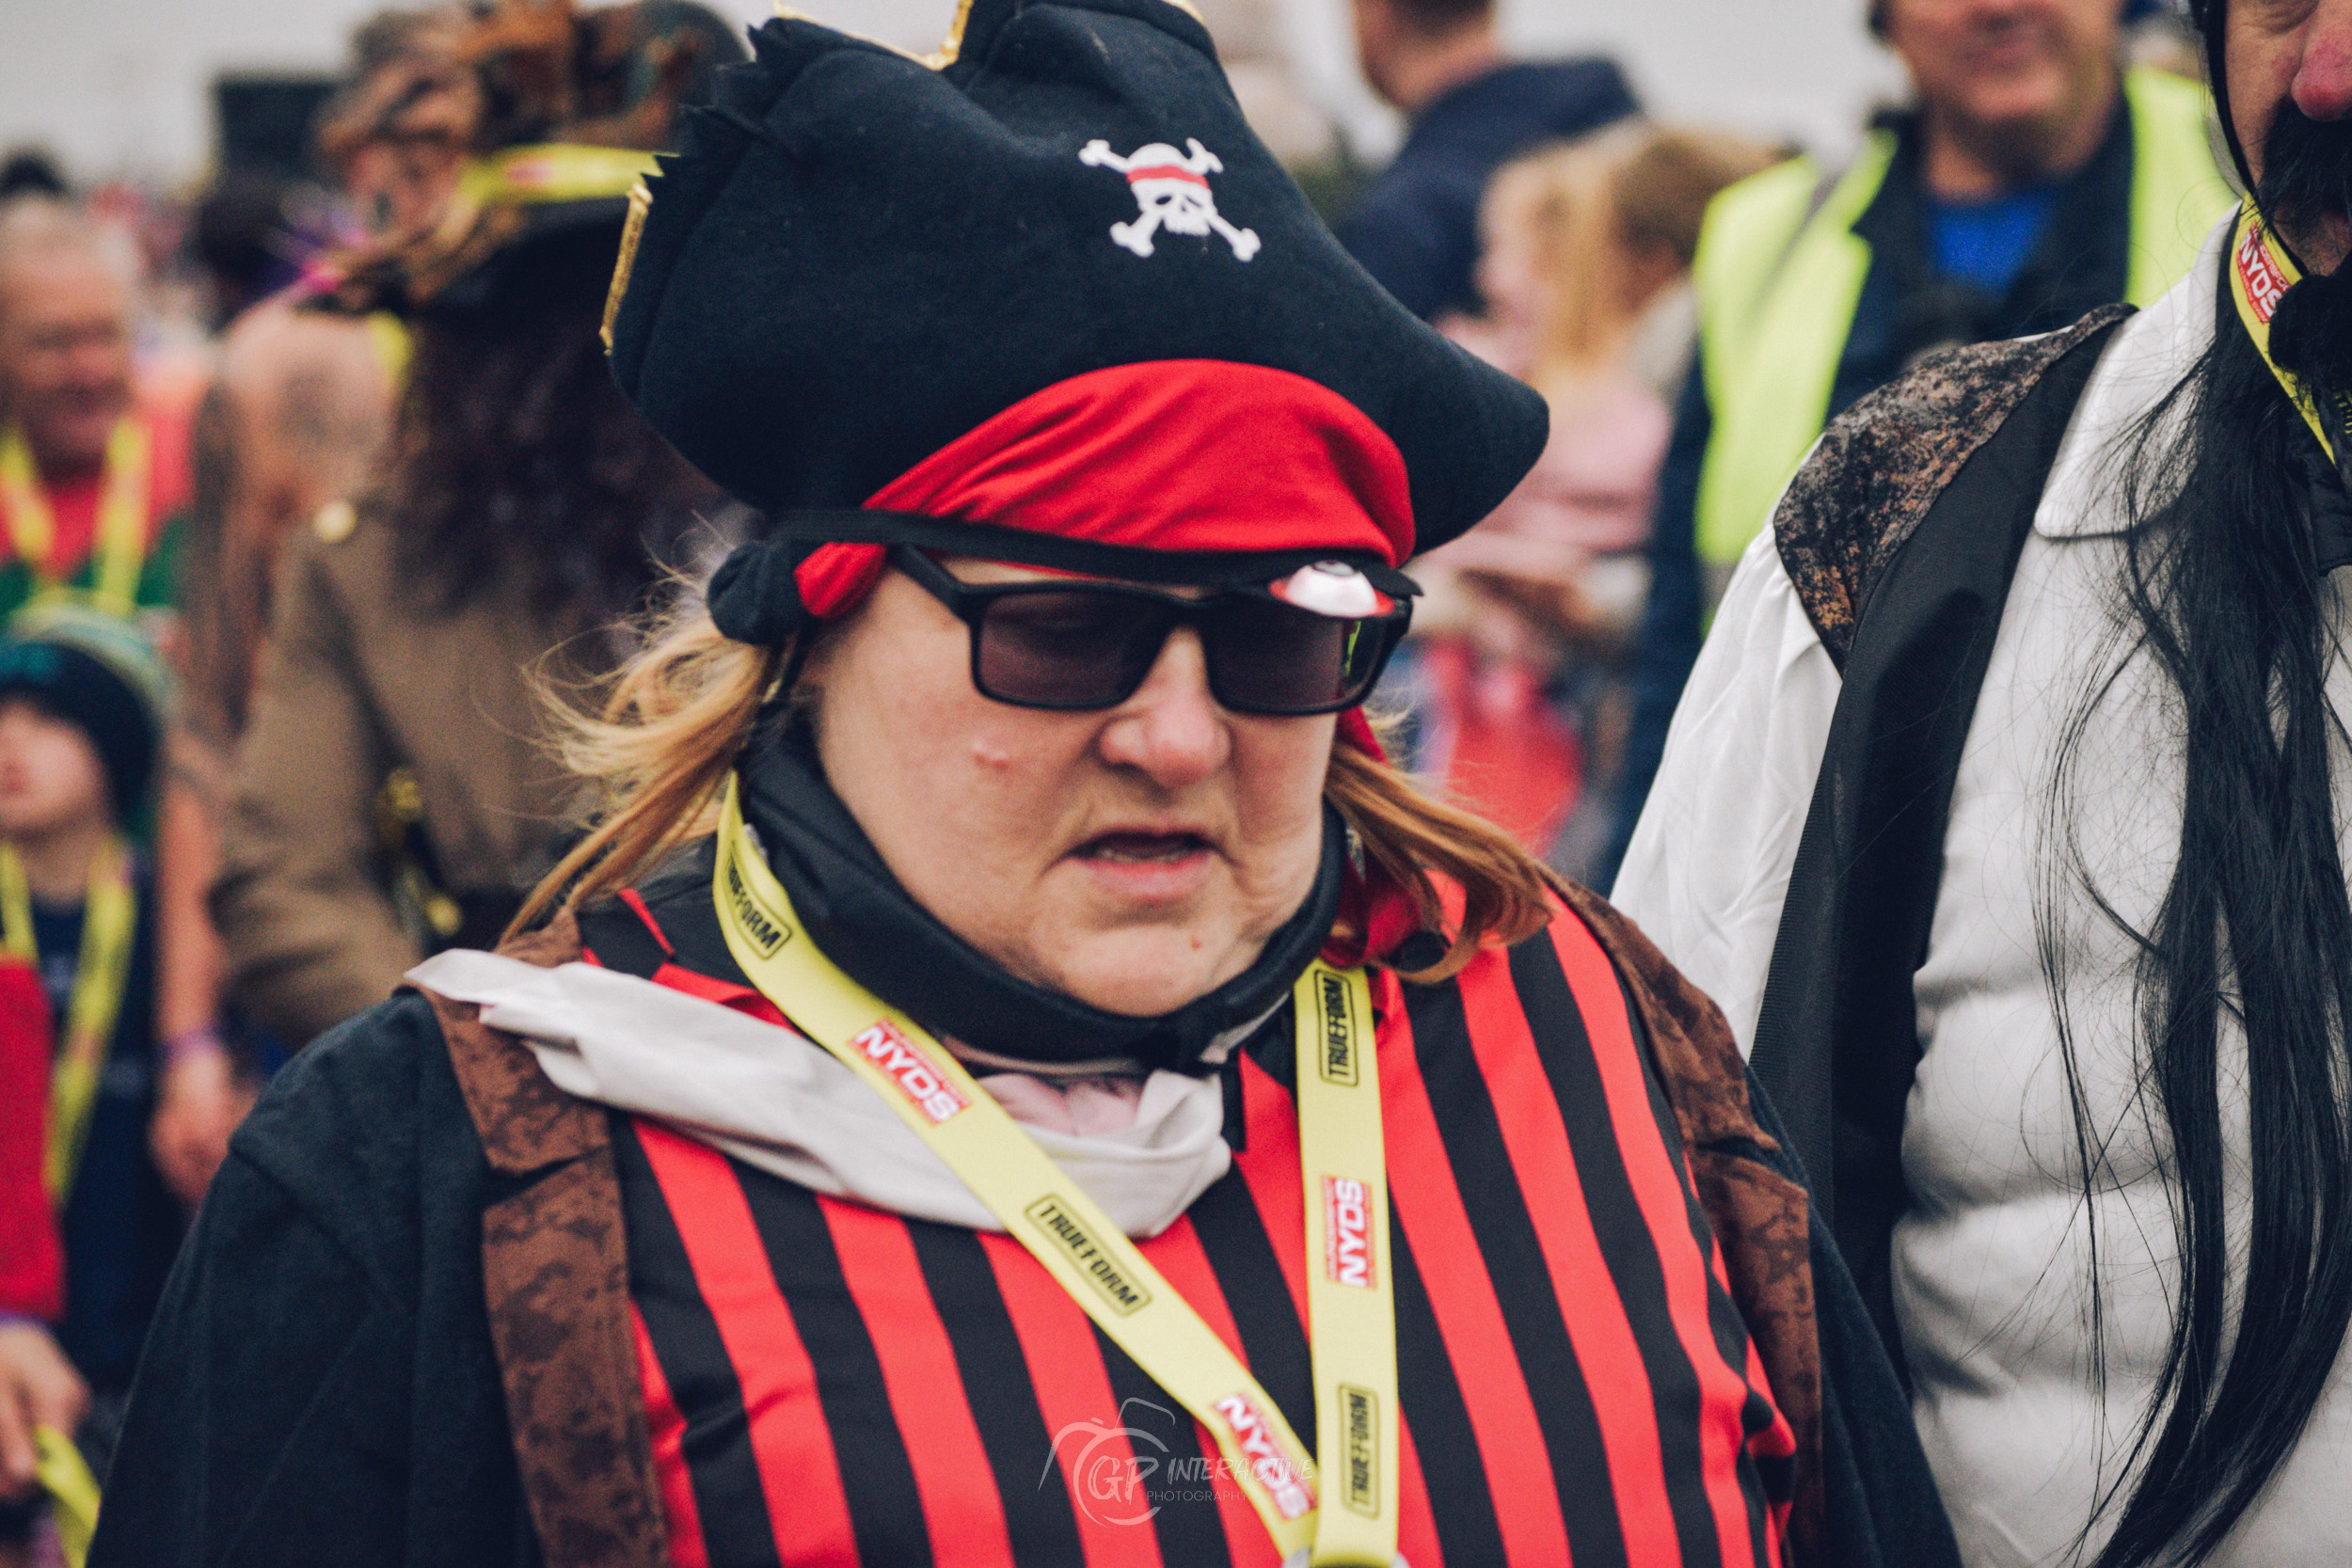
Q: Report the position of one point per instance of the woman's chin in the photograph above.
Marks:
(1143, 974)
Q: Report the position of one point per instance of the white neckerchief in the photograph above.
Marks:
(778, 1100)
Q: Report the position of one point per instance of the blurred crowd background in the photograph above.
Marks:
(131, 91)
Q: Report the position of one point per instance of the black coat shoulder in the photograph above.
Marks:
(319, 1384)
(340, 1130)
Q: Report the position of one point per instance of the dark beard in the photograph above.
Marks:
(2307, 168)
(2307, 175)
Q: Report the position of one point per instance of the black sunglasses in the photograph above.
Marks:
(1083, 646)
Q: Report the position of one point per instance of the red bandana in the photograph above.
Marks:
(1173, 455)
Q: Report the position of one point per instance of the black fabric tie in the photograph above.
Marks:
(883, 939)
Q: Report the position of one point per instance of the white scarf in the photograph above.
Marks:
(778, 1100)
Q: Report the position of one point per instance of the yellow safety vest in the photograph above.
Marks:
(1779, 271)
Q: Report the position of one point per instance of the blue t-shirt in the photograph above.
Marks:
(1987, 243)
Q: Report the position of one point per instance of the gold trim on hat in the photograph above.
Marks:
(945, 56)
(639, 203)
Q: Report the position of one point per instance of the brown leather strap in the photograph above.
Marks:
(555, 1272)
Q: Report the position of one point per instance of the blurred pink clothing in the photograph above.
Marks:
(1490, 728)
(1596, 485)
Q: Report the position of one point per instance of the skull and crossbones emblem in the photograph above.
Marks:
(1172, 189)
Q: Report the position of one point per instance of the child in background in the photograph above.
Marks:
(1588, 249)
(81, 714)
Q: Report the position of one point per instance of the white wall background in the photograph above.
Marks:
(124, 87)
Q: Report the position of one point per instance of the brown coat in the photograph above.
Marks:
(357, 679)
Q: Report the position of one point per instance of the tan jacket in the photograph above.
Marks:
(358, 679)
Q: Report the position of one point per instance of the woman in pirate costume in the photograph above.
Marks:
(1015, 1077)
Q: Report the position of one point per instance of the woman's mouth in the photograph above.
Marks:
(1152, 867)
(1132, 849)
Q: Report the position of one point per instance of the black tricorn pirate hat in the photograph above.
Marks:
(858, 257)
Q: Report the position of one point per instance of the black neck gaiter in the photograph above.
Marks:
(874, 931)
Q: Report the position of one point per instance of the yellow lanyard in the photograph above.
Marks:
(109, 920)
(1349, 1294)
(73, 1492)
(121, 543)
(2261, 273)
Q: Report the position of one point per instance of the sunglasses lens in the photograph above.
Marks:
(1266, 656)
(1070, 648)
(1081, 648)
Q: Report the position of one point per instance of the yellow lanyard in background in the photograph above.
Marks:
(122, 543)
(109, 922)
(1349, 1297)
(73, 1492)
(2261, 273)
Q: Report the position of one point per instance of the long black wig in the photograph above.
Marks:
(2224, 591)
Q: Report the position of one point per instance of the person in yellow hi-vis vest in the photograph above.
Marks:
(2033, 180)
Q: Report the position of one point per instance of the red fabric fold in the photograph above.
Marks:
(1174, 454)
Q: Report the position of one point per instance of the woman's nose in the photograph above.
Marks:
(1171, 730)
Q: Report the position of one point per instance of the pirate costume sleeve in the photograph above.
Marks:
(683, 1232)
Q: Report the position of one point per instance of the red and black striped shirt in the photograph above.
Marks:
(830, 1383)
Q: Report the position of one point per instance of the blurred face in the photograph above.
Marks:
(50, 774)
(1134, 858)
(65, 354)
(2023, 72)
(1510, 265)
(1395, 51)
(2289, 68)
(398, 183)
(1379, 36)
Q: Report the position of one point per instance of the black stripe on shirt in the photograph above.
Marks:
(1181, 1486)
(1460, 1503)
(885, 1509)
(729, 1496)
(1565, 1050)
(1723, 1320)
(1272, 1341)
(1464, 1109)
(1029, 1484)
